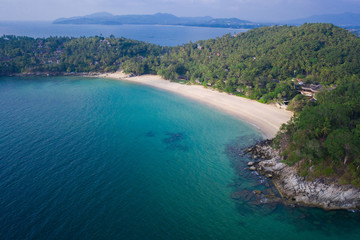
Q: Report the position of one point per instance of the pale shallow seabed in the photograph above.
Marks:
(105, 159)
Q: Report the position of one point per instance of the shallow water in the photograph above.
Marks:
(105, 159)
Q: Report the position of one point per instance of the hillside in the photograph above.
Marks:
(261, 63)
(64, 54)
(323, 141)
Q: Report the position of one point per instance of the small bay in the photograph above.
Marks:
(89, 158)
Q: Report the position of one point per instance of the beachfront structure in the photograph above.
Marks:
(310, 90)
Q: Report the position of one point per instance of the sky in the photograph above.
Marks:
(253, 10)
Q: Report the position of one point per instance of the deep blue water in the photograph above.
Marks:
(105, 159)
(157, 34)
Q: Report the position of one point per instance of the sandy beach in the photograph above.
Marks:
(264, 117)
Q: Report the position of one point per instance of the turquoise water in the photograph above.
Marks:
(105, 159)
(157, 34)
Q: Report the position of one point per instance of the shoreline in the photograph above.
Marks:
(265, 118)
(325, 193)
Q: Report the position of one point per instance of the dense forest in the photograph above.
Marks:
(261, 63)
(64, 54)
(324, 138)
(268, 64)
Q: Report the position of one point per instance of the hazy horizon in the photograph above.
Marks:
(252, 10)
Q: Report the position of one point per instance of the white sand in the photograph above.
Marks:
(266, 118)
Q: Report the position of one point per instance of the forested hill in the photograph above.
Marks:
(64, 54)
(324, 139)
(259, 61)
(258, 64)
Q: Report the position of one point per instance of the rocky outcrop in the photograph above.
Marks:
(296, 189)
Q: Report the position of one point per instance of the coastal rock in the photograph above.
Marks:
(258, 192)
(252, 168)
(295, 189)
(269, 175)
(250, 163)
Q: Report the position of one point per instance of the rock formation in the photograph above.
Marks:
(296, 189)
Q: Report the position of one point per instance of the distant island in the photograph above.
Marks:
(105, 18)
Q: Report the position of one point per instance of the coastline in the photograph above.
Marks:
(266, 118)
(325, 193)
(293, 189)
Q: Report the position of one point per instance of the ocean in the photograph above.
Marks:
(91, 158)
(156, 34)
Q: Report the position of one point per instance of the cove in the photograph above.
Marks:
(105, 159)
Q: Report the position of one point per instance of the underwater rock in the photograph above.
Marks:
(150, 134)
